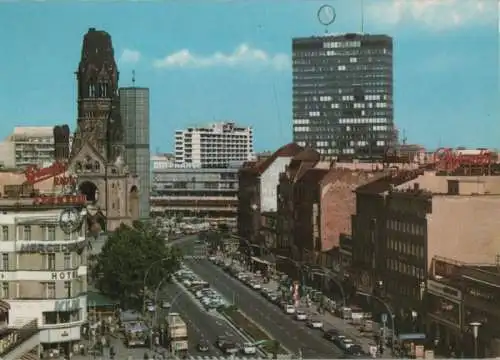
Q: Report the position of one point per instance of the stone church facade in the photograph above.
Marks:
(96, 156)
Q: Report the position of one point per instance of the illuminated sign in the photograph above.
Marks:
(52, 248)
(64, 180)
(450, 159)
(34, 174)
(60, 200)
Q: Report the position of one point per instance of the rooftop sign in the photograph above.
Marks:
(35, 174)
(446, 158)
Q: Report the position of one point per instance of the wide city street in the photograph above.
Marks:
(292, 335)
(200, 323)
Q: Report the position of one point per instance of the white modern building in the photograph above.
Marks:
(43, 276)
(214, 146)
(28, 145)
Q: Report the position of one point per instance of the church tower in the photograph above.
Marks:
(97, 150)
(98, 119)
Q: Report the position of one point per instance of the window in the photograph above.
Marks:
(51, 261)
(67, 261)
(27, 233)
(52, 233)
(5, 290)
(5, 233)
(67, 289)
(50, 289)
(60, 317)
(5, 261)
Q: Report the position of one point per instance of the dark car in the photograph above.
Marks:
(229, 347)
(203, 346)
(330, 334)
(355, 351)
(221, 341)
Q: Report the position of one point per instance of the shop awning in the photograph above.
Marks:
(267, 261)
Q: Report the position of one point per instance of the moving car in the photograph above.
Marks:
(165, 304)
(289, 309)
(315, 324)
(203, 346)
(331, 334)
(300, 316)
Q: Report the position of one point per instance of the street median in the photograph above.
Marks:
(252, 330)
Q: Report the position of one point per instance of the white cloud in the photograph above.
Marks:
(243, 55)
(433, 14)
(129, 56)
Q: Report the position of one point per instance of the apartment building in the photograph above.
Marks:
(28, 145)
(43, 276)
(214, 146)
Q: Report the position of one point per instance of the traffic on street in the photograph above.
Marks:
(295, 337)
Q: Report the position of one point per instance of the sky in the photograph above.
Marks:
(215, 60)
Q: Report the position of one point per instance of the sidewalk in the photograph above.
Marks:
(329, 320)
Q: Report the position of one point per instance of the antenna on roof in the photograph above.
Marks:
(362, 16)
(404, 139)
(133, 78)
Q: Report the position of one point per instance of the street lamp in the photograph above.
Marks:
(475, 331)
(146, 277)
(337, 282)
(388, 310)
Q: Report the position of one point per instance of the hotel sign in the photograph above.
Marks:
(64, 275)
(52, 248)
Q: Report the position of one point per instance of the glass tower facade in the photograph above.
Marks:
(134, 108)
(343, 95)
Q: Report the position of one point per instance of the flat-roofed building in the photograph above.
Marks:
(43, 275)
(184, 190)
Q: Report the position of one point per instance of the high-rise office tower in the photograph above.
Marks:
(134, 109)
(342, 95)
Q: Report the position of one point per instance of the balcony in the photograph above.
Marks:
(20, 344)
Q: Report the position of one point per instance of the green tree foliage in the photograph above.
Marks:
(126, 257)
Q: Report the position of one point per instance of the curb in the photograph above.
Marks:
(258, 326)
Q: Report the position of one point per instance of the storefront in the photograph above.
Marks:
(444, 304)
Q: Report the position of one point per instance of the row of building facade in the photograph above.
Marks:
(385, 231)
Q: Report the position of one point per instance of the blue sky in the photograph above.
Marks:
(210, 60)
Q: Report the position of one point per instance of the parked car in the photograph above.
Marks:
(165, 304)
(203, 346)
(289, 309)
(248, 349)
(229, 347)
(355, 350)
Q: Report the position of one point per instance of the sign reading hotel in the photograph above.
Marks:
(446, 158)
(64, 275)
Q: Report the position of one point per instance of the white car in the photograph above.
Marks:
(255, 285)
(289, 309)
(346, 343)
(315, 324)
(301, 316)
(248, 349)
(151, 308)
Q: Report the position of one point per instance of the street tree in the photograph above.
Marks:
(129, 252)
